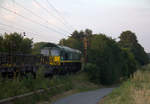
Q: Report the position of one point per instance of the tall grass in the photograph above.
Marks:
(74, 83)
(134, 91)
(9, 88)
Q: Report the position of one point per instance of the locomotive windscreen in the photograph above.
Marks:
(55, 52)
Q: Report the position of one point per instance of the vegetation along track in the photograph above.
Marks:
(10, 99)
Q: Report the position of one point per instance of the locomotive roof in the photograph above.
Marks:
(69, 49)
(64, 48)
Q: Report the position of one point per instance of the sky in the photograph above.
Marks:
(52, 20)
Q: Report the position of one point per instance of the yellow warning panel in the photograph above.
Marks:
(54, 60)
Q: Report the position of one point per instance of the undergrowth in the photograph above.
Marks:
(14, 87)
(78, 82)
(136, 90)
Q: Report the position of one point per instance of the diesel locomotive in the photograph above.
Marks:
(55, 59)
(62, 60)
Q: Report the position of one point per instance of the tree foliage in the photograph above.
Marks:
(129, 63)
(93, 72)
(76, 39)
(148, 55)
(72, 43)
(15, 43)
(108, 60)
(128, 40)
(1, 44)
(80, 35)
(37, 47)
(106, 54)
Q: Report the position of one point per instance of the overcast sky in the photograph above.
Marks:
(45, 23)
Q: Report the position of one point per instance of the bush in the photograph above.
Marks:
(129, 63)
(105, 53)
(93, 72)
(136, 90)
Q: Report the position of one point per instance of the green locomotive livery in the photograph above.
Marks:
(62, 60)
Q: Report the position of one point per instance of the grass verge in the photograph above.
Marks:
(71, 84)
(80, 83)
(136, 90)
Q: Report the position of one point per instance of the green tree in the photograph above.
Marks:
(76, 39)
(106, 54)
(72, 43)
(148, 55)
(27, 45)
(129, 63)
(108, 61)
(16, 43)
(1, 44)
(80, 35)
(129, 40)
(75, 35)
(37, 47)
(88, 32)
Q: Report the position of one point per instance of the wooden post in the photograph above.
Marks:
(85, 40)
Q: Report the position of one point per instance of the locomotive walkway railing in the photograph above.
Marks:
(10, 99)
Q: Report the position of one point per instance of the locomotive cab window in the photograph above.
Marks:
(55, 52)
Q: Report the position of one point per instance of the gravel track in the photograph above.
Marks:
(91, 97)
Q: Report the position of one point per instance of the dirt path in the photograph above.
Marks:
(91, 97)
